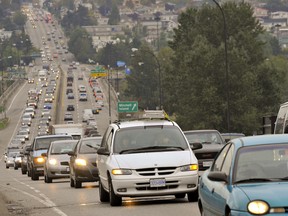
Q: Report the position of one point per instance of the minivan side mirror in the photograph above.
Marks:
(71, 153)
(103, 151)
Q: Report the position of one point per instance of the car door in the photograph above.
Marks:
(103, 160)
(214, 193)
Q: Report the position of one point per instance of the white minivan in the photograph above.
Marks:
(87, 114)
(146, 157)
(281, 123)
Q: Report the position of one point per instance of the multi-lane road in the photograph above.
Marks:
(27, 197)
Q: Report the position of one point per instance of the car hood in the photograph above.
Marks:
(155, 159)
(209, 148)
(37, 153)
(274, 193)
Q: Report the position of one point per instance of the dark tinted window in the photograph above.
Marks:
(90, 146)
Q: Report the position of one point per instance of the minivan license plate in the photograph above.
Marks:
(157, 182)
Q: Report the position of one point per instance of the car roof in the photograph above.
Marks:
(201, 131)
(51, 136)
(260, 139)
(146, 122)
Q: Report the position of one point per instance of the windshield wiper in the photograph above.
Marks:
(93, 147)
(253, 180)
(152, 148)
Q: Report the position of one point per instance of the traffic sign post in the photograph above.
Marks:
(127, 106)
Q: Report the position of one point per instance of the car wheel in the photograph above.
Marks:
(7, 167)
(114, 199)
(48, 179)
(28, 173)
(15, 167)
(78, 184)
(72, 183)
(23, 171)
(193, 196)
(34, 176)
(104, 195)
(180, 196)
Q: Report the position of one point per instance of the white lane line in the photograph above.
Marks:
(15, 97)
(47, 202)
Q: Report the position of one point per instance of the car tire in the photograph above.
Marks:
(7, 167)
(78, 184)
(114, 199)
(193, 196)
(104, 195)
(34, 176)
(48, 179)
(72, 183)
(180, 196)
(23, 171)
(15, 167)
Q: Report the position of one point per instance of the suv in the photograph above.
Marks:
(146, 157)
(35, 162)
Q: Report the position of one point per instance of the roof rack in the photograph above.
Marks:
(155, 114)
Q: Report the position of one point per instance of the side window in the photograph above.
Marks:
(279, 125)
(104, 139)
(220, 159)
(109, 140)
(228, 160)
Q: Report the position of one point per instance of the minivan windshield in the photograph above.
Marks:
(149, 138)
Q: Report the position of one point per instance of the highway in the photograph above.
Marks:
(36, 198)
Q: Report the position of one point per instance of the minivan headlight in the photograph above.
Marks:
(190, 167)
(122, 172)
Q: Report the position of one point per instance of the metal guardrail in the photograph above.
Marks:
(8, 93)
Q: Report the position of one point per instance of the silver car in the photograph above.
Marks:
(56, 162)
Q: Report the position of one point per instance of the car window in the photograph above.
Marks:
(220, 158)
(89, 146)
(262, 161)
(62, 148)
(228, 160)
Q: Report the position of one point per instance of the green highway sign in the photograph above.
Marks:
(128, 106)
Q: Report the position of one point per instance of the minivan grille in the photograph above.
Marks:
(156, 171)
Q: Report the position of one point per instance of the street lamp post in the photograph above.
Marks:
(159, 74)
(226, 65)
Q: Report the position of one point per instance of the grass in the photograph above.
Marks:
(3, 123)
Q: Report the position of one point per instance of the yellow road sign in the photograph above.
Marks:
(98, 74)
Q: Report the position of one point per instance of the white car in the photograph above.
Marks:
(146, 157)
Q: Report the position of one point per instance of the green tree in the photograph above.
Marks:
(19, 19)
(80, 45)
(143, 82)
(200, 84)
(114, 17)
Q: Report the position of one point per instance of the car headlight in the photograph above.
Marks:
(122, 172)
(52, 161)
(191, 167)
(80, 162)
(258, 207)
(39, 160)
